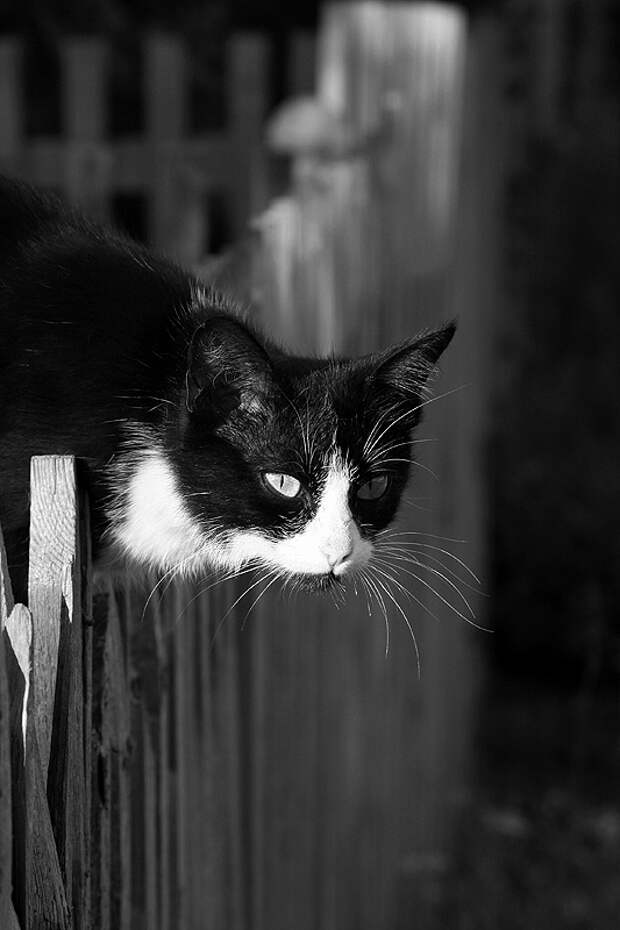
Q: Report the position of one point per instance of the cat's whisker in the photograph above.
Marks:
(388, 576)
(433, 571)
(388, 532)
(412, 410)
(305, 430)
(366, 593)
(423, 545)
(413, 555)
(374, 590)
(372, 439)
(276, 577)
(243, 594)
(415, 463)
(233, 573)
(412, 502)
(406, 619)
(378, 454)
(170, 575)
(445, 601)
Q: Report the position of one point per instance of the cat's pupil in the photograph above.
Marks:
(286, 485)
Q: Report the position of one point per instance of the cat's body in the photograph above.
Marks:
(206, 445)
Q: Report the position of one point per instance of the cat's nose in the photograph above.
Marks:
(337, 564)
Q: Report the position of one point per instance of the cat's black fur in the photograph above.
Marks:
(107, 350)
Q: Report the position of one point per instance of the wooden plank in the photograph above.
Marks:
(214, 784)
(11, 105)
(162, 744)
(247, 83)
(164, 77)
(55, 597)
(6, 827)
(145, 704)
(180, 659)
(86, 608)
(301, 68)
(51, 581)
(100, 862)
(39, 892)
(7, 602)
(117, 734)
(231, 735)
(193, 787)
(111, 757)
(87, 161)
(128, 161)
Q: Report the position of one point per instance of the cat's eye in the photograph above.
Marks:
(374, 489)
(286, 485)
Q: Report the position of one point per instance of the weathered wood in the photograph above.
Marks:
(247, 68)
(117, 734)
(145, 708)
(39, 892)
(51, 578)
(6, 826)
(110, 753)
(178, 779)
(162, 744)
(55, 597)
(6, 591)
(87, 162)
(165, 124)
(302, 63)
(10, 104)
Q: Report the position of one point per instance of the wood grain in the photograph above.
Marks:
(39, 892)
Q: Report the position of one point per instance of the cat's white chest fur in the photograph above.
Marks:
(157, 528)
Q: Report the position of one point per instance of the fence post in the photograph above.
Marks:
(247, 110)
(8, 917)
(111, 751)
(10, 104)
(39, 890)
(164, 80)
(55, 597)
(88, 162)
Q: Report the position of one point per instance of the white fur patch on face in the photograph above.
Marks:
(330, 542)
(156, 528)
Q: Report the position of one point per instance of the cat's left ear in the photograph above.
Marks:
(227, 369)
(407, 368)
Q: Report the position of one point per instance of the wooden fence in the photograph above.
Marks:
(120, 766)
(172, 170)
(290, 776)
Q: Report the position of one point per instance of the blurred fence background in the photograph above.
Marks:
(287, 774)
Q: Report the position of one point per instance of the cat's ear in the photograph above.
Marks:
(407, 368)
(227, 369)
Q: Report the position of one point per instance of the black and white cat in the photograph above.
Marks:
(207, 445)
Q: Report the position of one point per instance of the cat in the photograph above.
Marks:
(207, 445)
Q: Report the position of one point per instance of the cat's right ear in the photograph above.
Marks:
(227, 369)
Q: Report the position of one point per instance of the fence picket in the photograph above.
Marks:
(55, 597)
(87, 162)
(39, 892)
(10, 104)
(6, 828)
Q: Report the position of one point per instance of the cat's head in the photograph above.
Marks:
(290, 464)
